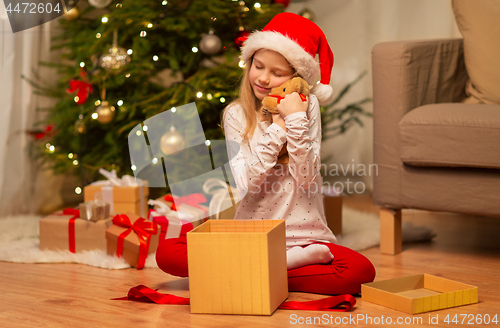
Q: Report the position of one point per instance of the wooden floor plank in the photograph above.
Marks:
(466, 249)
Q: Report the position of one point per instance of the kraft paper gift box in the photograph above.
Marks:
(122, 198)
(419, 293)
(124, 241)
(55, 233)
(237, 266)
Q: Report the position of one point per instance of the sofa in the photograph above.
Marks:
(436, 116)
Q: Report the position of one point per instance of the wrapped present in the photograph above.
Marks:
(190, 204)
(132, 238)
(225, 200)
(94, 210)
(172, 223)
(127, 194)
(66, 231)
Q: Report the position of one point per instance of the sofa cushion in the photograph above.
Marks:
(456, 135)
(479, 23)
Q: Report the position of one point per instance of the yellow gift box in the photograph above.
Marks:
(122, 199)
(237, 266)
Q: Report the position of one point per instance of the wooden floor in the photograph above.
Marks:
(466, 249)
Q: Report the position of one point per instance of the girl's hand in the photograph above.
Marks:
(292, 104)
(278, 119)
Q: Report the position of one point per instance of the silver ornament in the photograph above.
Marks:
(105, 112)
(171, 142)
(99, 3)
(115, 59)
(210, 44)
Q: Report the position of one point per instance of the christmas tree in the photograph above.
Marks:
(126, 61)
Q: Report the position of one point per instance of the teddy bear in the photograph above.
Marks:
(270, 105)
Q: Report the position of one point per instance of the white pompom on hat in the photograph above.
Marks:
(299, 40)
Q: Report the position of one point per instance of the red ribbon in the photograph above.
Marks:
(83, 88)
(304, 98)
(71, 226)
(143, 228)
(193, 200)
(340, 303)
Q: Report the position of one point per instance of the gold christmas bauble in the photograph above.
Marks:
(116, 58)
(171, 142)
(72, 14)
(307, 13)
(105, 112)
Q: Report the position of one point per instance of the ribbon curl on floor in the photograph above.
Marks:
(340, 303)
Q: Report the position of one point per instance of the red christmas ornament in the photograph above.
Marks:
(285, 3)
(83, 88)
(47, 132)
(240, 38)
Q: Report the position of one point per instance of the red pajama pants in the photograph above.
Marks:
(344, 275)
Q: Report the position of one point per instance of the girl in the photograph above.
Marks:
(285, 48)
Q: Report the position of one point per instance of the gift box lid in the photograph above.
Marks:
(419, 293)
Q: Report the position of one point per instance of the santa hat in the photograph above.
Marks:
(299, 40)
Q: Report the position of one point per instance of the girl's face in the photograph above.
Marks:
(269, 70)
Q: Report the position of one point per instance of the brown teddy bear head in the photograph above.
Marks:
(296, 84)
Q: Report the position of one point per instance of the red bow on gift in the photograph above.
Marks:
(83, 87)
(144, 229)
(193, 200)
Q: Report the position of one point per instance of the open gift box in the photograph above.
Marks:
(419, 293)
(237, 266)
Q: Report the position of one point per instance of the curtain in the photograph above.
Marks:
(19, 55)
(352, 28)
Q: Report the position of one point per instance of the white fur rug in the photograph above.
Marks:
(19, 241)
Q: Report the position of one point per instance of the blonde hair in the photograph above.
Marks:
(248, 102)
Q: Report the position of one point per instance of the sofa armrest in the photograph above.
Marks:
(406, 75)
